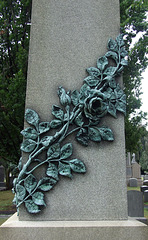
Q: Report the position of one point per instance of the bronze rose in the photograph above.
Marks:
(95, 105)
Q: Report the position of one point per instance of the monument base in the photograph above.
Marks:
(73, 230)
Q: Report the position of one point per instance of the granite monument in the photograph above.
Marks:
(68, 37)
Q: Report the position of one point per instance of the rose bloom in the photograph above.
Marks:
(95, 105)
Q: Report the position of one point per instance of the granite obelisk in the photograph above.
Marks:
(66, 38)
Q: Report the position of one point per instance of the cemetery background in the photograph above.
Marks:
(13, 72)
(27, 7)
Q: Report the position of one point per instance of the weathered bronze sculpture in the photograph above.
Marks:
(81, 113)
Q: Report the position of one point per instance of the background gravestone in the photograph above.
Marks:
(145, 177)
(128, 167)
(136, 172)
(2, 174)
(145, 182)
(133, 171)
(133, 182)
(135, 204)
(66, 38)
(145, 196)
(144, 188)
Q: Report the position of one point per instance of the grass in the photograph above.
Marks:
(146, 213)
(6, 198)
(6, 204)
(2, 220)
(133, 188)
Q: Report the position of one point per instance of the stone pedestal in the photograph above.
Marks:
(73, 230)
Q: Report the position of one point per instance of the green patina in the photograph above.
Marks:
(80, 113)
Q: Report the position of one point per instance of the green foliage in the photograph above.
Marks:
(144, 161)
(32, 207)
(134, 24)
(143, 152)
(14, 43)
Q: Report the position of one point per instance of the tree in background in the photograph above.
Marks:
(15, 17)
(143, 153)
(134, 24)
